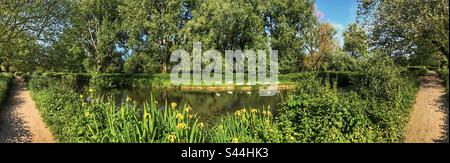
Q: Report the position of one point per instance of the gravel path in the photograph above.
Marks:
(20, 121)
(429, 118)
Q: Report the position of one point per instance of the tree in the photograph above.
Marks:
(154, 27)
(421, 28)
(95, 23)
(26, 22)
(325, 46)
(355, 40)
(288, 24)
(228, 25)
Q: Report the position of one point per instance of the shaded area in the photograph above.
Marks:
(13, 128)
(429, 117)
(443, 106)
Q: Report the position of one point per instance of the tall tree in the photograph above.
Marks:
(404, 28)
(154, 26)
(288, 23)
(355, 40)
(24, 22)
(226, 25)
(325, 46)
(96, 24)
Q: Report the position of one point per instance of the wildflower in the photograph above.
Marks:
(238, 113)
(243, 110)
(173, 105)
(201, 125)
(122, 110)
(254, 110)
(190, 115)
(128, 98)
(83, 104)
(235, 140)
(87, 114)
(171, 138)
(264, 112)
(181, 125)
(188, 108)
(146, 114)
(179, 116)
(91, 90)
(81, 97)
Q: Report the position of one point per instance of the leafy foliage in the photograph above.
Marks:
(5, 80)
(375, 110)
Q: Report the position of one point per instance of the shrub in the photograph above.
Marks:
(140, 63)
(376, 110)
(417, 70)
(5, 82)
(319, 113)
(443, 73)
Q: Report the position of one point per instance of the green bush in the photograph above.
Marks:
(5, 82)
(141, 63)
(417, 70)
(443, 73)
(319, 113)
(376, 110)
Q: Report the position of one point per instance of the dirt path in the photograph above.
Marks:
(429, 118)
(20, 121)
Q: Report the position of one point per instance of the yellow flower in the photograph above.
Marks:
(238, 113)
(181, 125)
(179, 116)
(128, 98)
(83, 104)
(243, 110)
(171, 138)
(254, 110)
(87, 113)
(190, 115)
(91, 90)
(188, 108)
(235, 140)
(82, 97)
(201, 125)
(173, 105)
(146, 114)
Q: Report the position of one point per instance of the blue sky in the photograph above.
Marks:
(340, 13)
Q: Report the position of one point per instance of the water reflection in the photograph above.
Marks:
(206, 104)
